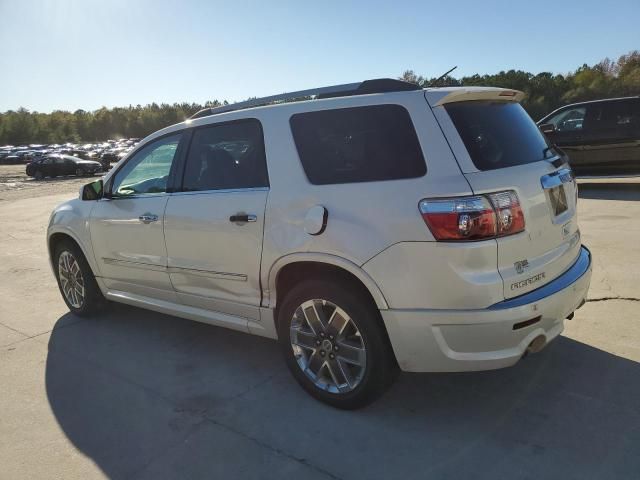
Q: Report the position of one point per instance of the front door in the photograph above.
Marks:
(127, 228)
(569, 134)
(214, 225)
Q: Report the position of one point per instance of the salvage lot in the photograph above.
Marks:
(136, 394)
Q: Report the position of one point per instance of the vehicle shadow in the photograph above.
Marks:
(609, 190)
(152, 396)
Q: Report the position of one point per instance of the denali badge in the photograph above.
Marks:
(521, 265)
(528, 281)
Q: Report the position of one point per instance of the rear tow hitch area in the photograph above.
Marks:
(570, 316)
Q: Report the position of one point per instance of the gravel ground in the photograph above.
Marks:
(14, 184)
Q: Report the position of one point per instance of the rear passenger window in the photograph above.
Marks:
(226, 156)
(362, 144)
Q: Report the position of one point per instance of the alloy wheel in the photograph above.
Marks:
(71, 279)
(328, 346)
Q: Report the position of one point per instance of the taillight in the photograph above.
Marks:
(509, 216)
(477, 217)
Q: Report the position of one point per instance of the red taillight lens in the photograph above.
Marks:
(473, 218)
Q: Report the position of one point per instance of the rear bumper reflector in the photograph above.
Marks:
(526, 323)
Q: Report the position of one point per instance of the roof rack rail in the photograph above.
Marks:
(378, 85)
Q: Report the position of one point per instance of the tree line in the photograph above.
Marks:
(544, 92)
(547, 91)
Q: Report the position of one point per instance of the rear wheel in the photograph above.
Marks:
(334, 343)
(76, 281)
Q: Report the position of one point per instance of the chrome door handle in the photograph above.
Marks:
(243, 218)
(148, 218)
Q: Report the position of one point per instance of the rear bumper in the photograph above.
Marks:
(485, 339)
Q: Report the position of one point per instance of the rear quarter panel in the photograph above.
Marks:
(363, 218)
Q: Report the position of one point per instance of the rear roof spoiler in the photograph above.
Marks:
(440, 96)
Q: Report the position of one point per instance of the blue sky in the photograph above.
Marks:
(90, 53)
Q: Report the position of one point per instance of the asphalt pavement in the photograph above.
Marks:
(139, 395)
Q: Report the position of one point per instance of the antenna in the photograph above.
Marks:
(433, 84)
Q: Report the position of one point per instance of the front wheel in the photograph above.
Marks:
(76, 281)
(334, 343)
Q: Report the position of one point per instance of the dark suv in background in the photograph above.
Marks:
(601, 137)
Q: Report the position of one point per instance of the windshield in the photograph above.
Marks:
(498, 134)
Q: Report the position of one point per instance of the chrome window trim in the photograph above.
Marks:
(226, 190)
(138, 195)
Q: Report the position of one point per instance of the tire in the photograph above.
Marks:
(366, 382)
(38, 175)
(92, 301)
(80, 172)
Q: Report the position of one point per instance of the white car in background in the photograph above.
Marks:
(376, 227)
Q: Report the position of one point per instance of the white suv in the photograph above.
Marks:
(376, 225)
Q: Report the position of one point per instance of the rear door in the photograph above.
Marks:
(500, 148)
(58, 166)
(612, 141)
(70, 167)
(214, 225)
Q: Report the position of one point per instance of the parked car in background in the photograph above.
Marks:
(10, 159)
(61, 165)
(382, 226)
(601, 137)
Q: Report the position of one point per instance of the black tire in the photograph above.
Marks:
(93, 301)
(38, 175)
(381, 368)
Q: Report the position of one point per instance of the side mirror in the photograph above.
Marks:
(547, 128)
(92, 191)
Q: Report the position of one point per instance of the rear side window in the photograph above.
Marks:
(226, 156)
(498, 134)
(362, 144)
(619, 115)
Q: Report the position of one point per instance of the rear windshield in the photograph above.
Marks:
(498, 134)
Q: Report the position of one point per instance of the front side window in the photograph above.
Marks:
(226, 156)
(361, 144)
(569, 120)
(148, 170)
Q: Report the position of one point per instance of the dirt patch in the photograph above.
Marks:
(14, 184)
